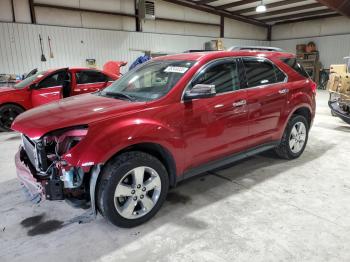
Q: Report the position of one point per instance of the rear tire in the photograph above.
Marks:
(132, 188)
(8, 114)
(294, 138)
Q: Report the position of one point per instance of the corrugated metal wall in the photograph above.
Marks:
(332, 48)
(20, 48)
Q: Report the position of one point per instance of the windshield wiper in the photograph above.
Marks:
(120, 95)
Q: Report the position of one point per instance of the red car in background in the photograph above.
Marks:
(47, 86)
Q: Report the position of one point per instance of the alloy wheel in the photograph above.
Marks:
(297, 137)
(7, 117)
(137, 192)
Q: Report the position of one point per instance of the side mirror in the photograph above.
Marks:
(200, 91)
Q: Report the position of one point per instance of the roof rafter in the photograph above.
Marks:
(214, 10)
(307, 19)
(341, 6)
(306, 14)
(235, 4)
(272, 5)
(302, 8)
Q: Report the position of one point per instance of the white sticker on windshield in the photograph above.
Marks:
(176, 69)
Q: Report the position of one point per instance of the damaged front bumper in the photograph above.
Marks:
(32, 187)
(39, 188)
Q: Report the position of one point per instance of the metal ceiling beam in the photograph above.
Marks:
(13, 12)
(82, 10)
(307, 19)
(235, 4)
(341, 6)
(213, 10)
(32, 11)
(306, 14)
(302, 8)
(272, 5)
(202, 2)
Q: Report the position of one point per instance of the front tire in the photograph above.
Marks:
(294, 138)
(8, 114)
(132, 188)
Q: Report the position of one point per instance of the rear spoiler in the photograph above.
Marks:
(113, 67)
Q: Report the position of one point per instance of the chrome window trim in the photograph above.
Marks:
(233, 58)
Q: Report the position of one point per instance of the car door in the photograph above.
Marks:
(49, 89)
(267, 97)
(88, 81)
(216, 127)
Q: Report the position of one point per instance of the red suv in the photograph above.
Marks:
(43, 87)
(167, 120)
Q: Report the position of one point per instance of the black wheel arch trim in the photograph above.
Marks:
(166, 158)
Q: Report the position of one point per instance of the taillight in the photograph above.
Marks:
(313, 87)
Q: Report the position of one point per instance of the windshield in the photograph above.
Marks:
(29, 80)
(149, 81)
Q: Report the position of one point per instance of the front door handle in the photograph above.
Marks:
(240, 103)
(283, 91)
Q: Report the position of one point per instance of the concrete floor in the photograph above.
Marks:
(261, 209)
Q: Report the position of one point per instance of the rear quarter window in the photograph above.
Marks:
(260, 72)
(293, 63)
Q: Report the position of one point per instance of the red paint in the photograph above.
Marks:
(113, 67)
(194, 132)
(29, 98)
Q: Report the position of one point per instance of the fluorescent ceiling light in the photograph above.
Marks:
(261, 8)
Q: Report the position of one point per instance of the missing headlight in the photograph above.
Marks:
(61, 141)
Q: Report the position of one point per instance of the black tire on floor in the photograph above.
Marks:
(111, 175)
(283, 150)
(8, 113)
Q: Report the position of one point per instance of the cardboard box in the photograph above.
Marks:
(333, 82)
(338, 69)
(344, 84)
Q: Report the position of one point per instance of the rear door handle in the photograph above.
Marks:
(283, 91)
(240, 103)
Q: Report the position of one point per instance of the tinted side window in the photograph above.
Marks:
(293, 63)
(224, 75)
(87, 77)
(259, 72)
(280, 76)
(53, 80)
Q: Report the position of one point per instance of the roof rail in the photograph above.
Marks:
(256, 48)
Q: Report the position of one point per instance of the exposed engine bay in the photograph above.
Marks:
(44, 159)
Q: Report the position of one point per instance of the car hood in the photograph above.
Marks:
(73, 111)
(6, 89)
